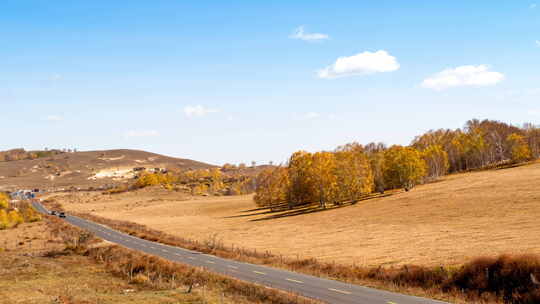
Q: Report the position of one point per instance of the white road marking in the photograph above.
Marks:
(296, 281)
(340, 291)
(192, 258)
(210, 262)
(164, 250)
(258, 272)
(233, 267)
(178, 254)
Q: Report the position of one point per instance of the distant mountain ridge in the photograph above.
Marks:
(84, 169)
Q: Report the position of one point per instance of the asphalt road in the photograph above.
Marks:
(309, 286)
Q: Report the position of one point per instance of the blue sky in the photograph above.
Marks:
(252, 80)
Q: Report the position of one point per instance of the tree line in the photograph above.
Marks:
(214, 181)
(353, 171)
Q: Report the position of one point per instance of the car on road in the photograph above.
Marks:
(53, 212)
(61, 214)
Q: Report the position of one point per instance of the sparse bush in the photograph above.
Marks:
(4, 221)
(4, 200)
(14, 218)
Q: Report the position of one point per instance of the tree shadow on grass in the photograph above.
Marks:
(266, 210)
(312, 208)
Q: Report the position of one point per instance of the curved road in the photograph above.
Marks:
(309, 286)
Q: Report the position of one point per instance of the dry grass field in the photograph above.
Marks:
(447, 222)
(27, 276)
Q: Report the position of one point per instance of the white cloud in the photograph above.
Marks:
(360, 64)
(466, 75)
(198, 110)
(534, 112)
(141, 133)
(533, 5)
(312, 115)
(299, 33)
(53, 118)
(537, 43)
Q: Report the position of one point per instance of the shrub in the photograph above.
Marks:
(4, 221)
(15, 218)
(4, 200)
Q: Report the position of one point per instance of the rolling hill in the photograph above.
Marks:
(86, 169)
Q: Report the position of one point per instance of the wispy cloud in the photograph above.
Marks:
(312, 115)
(301, 34)
(141, 133)
(53, 118)
(533, 5)
(198, 111)
(56, 77)
(360, 64)
(537, 42)
(466, 75)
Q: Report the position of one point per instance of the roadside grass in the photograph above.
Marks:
(154, 273)
(37, 269)
(55, 262)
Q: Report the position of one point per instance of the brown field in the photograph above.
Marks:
(36, 267)
(27, 276)
(446, 222)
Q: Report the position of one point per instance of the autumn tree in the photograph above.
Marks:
(532, 135)
(353, 174)
(4, 221)
(302, 185)
(375, 154)
(322, 172)
(436, 161)
(4, 200)
(519, 147)
(403, 167)
(14, 218)
(272, 187)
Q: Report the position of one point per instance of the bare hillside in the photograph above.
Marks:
(86, 169)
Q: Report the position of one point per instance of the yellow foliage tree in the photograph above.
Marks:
(354, 175)
(14, 218)
(519, 147)
(322, 172)
(403, 167)
(301, 188)
(436, 160)
(272, 187)
(4, 200)
(4, 221)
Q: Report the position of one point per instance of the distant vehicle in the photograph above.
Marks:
(53, 212)
(61, 214)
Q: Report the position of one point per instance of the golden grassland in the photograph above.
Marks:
(38, 267)
(448, 222)
(28, 276)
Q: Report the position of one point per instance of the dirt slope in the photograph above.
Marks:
(83, 169)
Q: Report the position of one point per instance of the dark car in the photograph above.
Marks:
(61, 214)
(53, 212)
